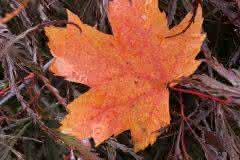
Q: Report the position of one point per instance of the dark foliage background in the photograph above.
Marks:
(204, 107)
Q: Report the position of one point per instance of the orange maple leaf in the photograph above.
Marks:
(127, 71)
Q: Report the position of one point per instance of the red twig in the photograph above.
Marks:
(14, 13)
(202, 95)
(29, 76)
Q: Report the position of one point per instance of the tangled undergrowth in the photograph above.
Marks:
(204, 107)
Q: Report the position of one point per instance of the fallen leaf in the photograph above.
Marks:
(127, 71)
